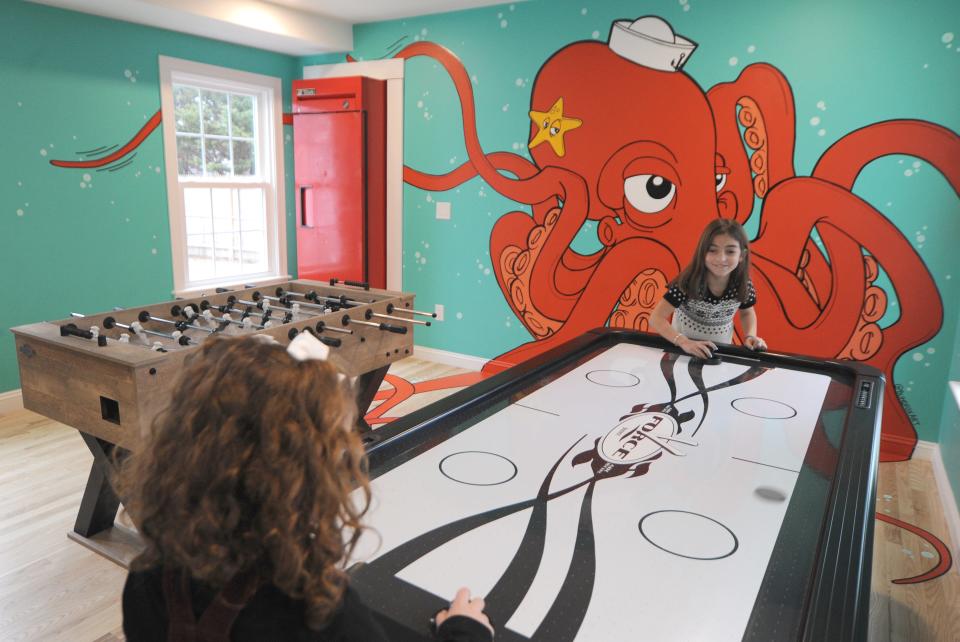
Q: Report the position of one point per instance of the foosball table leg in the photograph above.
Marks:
(99, 504)
(367, 386)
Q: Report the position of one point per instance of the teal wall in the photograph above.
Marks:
(79, 240)
(849, 64)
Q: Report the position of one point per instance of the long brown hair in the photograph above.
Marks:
(251, 468)
(693, 279)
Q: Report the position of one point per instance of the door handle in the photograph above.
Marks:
(305, 219)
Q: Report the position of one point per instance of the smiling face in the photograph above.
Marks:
(723, 256)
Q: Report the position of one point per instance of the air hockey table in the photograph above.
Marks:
(618, 489)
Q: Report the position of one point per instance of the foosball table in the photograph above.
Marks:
(109, 374)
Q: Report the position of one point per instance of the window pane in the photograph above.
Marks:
(251, 209)
(254, 252)
(200, 257)
(223, 215)
(197, 225)
(214, 105)
(243, 162)
(186, 107)
(188, 156)
(226, 249)
(196, 205)
(241, 115)
(218, 156)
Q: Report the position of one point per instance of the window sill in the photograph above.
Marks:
(210, 288)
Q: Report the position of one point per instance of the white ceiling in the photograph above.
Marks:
(360, 11)
(295, 27)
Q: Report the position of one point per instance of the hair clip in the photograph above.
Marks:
(305, 347)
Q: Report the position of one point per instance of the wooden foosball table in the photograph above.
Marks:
(109, 374)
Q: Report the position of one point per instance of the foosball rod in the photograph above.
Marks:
(191, 311)
(385, 327)
(286, 303)
(244, 314)
(391, 308)
(136, 328)
(266, 311)
(321, 311)
(343, 301)
(370, 313)
(266, 307)
(145, 316)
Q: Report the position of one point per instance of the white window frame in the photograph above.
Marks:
(268, 90)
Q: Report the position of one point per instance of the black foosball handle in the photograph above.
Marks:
(71, 329)
(396, 329)
(354, 284)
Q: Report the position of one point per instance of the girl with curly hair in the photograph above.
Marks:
(243, 493)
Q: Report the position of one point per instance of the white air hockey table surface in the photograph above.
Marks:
(616, 489)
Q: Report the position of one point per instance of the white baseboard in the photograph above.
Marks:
(930, 451)
(10, 401)
(465, 361)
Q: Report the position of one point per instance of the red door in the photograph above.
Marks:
(331, 222)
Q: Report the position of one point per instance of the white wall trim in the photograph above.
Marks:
(466, 361)
(929, 451)
(11, 401)
(392, 71)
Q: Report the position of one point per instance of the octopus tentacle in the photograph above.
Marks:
(513, 163)
(848, 226)
(131, 145)
(550, 184)
(846, 158)
(613, 275)
(785, 230)
(835, 322)
(765, 102)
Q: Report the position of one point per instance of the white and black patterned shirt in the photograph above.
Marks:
(707, 317)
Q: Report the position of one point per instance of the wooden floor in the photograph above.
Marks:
(54, 589)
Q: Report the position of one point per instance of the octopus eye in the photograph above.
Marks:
(649, 193)
(721, 181)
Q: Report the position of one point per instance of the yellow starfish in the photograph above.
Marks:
(552, 126)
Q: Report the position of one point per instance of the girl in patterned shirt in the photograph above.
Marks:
(705, 296)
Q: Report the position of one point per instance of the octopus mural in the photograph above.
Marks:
(621, 135)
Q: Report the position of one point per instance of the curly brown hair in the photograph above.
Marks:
(251, 467)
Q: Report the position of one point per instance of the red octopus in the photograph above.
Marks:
(653, 158)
